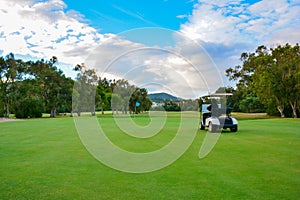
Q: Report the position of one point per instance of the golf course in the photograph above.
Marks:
(45, 159)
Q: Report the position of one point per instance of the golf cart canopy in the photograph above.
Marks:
(218, 100)
(217, 95)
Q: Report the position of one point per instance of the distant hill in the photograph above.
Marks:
(161, 97)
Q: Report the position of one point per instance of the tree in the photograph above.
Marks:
(140, 96)
(51, 82)
(43, 87)
(102, 101)
(65, 103)
(251, 104)
(116, 103)
(244, 87)
(287, 63)
(84, 90)
(171, 106)
(27, 99)
(277, 76)
(10, 71)
(272, 75)
(123, 91)
(145, 102)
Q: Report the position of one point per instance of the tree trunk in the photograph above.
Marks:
(6, 106)
(294, 108)
(53, 112)
(7, 111)
(281, 109)
(93, 112)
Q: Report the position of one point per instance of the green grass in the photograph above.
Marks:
(45, 159)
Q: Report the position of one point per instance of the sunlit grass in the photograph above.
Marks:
(45, 159)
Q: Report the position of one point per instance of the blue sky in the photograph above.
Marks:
(115, 16)
(74, 30)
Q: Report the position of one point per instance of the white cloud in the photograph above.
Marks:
(229, 22)
(226, 28)
(183, 69)
(43, 29)
(210, 25)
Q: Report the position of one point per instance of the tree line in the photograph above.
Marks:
(31, 88)
(267, 81)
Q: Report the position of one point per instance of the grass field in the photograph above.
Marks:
(45, 159)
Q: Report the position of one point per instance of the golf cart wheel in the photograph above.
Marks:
(234, 128)
(212, 128)
(202, 127)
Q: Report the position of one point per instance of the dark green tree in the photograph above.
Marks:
(11, 70)
(272, 75)
(172, 106)
(51, 82)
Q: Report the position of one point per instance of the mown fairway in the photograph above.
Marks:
(44, 159)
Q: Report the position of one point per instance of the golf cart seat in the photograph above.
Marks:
(228, 110)
(205, 115)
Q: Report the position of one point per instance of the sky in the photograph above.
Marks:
(177, 46)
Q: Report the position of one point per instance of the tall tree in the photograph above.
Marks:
(51, 81)
(103, 88)
(124, 90)
(10, 71)
(140, 97)
(84, 93)
(272, 74)
(287, 64)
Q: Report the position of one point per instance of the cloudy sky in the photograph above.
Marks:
(195, 40)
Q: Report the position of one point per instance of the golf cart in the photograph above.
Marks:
(216, 115)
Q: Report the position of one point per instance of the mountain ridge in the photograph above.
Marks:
(162, 96)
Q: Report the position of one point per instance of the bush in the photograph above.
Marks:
(29, 107)
(171, 106)
(251, 104)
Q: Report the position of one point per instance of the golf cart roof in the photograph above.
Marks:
(217, 95)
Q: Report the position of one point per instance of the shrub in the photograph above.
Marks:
(171, 106)
(29, 107)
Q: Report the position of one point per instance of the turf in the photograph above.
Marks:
(45, 159)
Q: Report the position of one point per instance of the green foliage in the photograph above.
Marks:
(171, 106)
(29, 108)
(140, 95)
(273, 75)
(43, 80)
(1, 105)
(11, 70)
(52, 82)
(251, 104)
(33, 80)
(102, 100)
